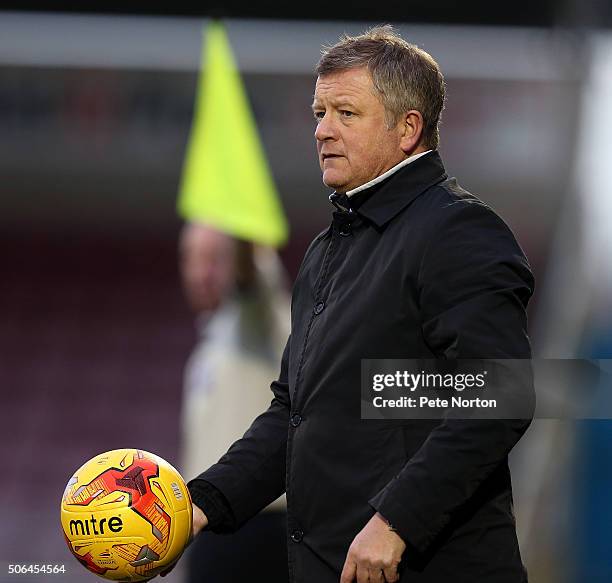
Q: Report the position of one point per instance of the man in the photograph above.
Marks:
(412, 266)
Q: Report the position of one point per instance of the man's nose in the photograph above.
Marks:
(325, 128)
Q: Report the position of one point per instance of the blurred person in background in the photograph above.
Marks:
(236, 286)
(237, 291)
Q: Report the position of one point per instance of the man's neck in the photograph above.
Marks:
(386, 174)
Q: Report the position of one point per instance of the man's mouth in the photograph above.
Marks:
(328, 156)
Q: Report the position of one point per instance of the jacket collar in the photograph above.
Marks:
(389, 197)
(386, 174)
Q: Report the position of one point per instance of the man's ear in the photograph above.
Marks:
(412, 132)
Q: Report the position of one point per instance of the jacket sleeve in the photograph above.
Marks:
(474, 284)
(251, 474)
(218, 511)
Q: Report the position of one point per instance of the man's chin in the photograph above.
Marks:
(334, 182)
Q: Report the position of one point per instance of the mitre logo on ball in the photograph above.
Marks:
(115, 524)
(126, 515)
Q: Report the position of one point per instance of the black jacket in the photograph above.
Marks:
(421, 269)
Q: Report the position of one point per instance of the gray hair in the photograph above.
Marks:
(404, 76)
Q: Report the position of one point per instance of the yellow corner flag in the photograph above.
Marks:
(226, 181)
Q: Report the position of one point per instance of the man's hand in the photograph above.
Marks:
(199, 523)
(374, 554)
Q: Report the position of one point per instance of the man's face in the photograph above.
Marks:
(353, 142)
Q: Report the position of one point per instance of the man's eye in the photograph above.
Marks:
(318, 115)
(346, 113)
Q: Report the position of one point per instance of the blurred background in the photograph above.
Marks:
(95, 113)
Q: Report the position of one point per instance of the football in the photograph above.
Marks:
(126, 515)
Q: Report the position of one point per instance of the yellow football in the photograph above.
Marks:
(126, 515)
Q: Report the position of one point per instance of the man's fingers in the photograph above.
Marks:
(391, 574)
(376, 575)
(348, 571)
(362, 573)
